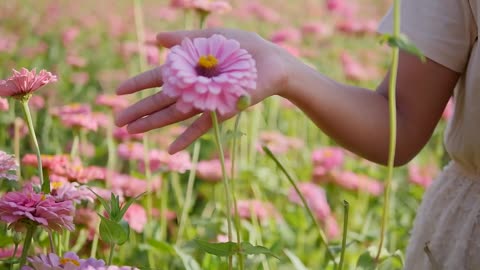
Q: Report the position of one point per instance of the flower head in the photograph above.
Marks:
(25, 82)
(70, 260)
(209, 74)
(22, 207)
(8, 166)
(3, 105)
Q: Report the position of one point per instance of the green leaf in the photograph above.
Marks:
(402, 42)
(249, 249)
(297, 263)
(219, 249)
(161, 246)
(113, 232)
(366, 262)
(102, 200)
(188, 262)
(127, 205)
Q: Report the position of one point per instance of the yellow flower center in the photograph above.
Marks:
(207, 62)
(69, 260)
(43, 198)
(56, 185)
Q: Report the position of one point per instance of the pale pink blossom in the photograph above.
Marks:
(121, 134)
(263, 211)
(356, 182)
(80, 121)
(75, 108)
(65, 191)
(25, 82)
(327, 159)
(211, 170)
(69, 35)
(331, 227)
(354, 70)
(48, 161)
(316, 29)
(75, 172)
(70, 261)
(131, 151)
(76, 61)
(422, 175)
(209, 74)
(262, 12)
(136, 217)
(211, 6)
(4, 105)
(36, 102)
(277, 142)
(287, 34)
(8, 166)
(129, 186)
(115, 102)
(315, 197)
(79, 77)
(20, 207)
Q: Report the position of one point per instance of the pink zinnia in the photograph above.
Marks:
(209, 74)
(422, 176)
(70, 260)
(75, 108)
(211, 170)
(20, 207)
(25, 82)
(263, 211)
(315, 197)
(136, 217)
(8, 166)
(122, 134)
(327, 159)
(85, 121)
(113, 101)
(3, 105)
(209, 6)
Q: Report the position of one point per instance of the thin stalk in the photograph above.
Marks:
(93, 251)
(235, 209)
(177, 189)
(188, 196)
(16, 145)
(304, 202)
(393, 125)
(52, 244)
(346, 206)
(26, 244)
(26, 110)
(75, 143)
(110, 257)
(225, 180)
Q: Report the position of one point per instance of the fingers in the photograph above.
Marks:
(159, 119)
(199, 127)
(148, 79)
(170, 39)
(143, 108)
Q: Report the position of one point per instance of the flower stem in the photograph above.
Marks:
(224, 176)
(346, 206)
(188, 196)
(26, 244)
(393, 125)
(235, 209)
(110, 257)
(305, 205)
(45, 183)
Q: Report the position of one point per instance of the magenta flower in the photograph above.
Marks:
(3, 105)
(69, 261)
(22, 207)
(25, 82)
(8, 166)
(209, 74)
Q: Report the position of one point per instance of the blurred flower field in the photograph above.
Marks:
(114, 200)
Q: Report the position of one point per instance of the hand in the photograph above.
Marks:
(159, 110)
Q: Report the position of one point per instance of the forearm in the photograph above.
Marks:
(356, 118)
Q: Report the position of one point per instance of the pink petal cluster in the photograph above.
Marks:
(262, 12)
(75, 108)
(4, 105)
(211, 170)
(207, 6)
(326, 159)
(422, 175)
(263, 211)
(113, 101)
(128, 186)
(136, 217)
(75, 172)
(122, 135)
(317, 202)
(163, 161)
(80, 121)
(8, 166)
(356, 182)
(70, 261)
(131, 151)
(209, 74)
(65, 191)
(354, 70)
(288, 34)
(20, 207)
(277, 142)
(36, 102)
(25, 82)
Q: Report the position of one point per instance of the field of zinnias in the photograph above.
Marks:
(101, 198)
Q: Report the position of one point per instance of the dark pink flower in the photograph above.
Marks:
(262, 12)
(65, 191)
(8, 166)
(7, 252)
(209, 74)
(25, 82)
(20, 207)
(136, 217)
(128, 186)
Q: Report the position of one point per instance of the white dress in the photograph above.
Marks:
(449, 217)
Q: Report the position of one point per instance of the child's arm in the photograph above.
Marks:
(356, 118)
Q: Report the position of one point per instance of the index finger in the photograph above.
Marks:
(147, 79)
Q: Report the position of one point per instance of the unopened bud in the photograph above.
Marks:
(243, 102)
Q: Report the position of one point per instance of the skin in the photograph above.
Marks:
(356, 118)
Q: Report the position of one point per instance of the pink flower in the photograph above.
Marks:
(70, 261)
(113, 101)
(449, 109)
(327, 159)
(209, 74)
(75, 108)
(19, 207)
(129, 186)
(262, 12)
(7, 252)
(331, 227)
(69, 35)
(136, 217)
(277, 142)
(76, 61)
(75, 172)
(210, 6)
(352, 181)
(422, 176)
(8, 166)
(48, 161)
(288, 34)
(3, 105)
(65, 191)
(316, 29)
(80, 121)
(25, 82)
(122, 134)
(263, 211)
(131, 151)
(36, 102)
(315, 197)
(183, 4)
(211, 170)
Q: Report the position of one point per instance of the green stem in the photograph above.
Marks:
(305, 205)
(110, 257)
(75, 143)
(346, 206)
(93, 251)
(26, 244)
(225, 179)
(235, 209)
(188, 196)
(177, 189)
(26, 110)
(393, 125)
